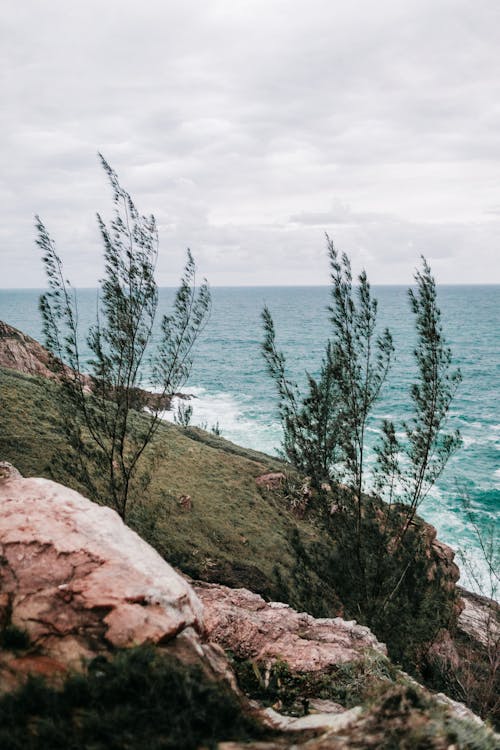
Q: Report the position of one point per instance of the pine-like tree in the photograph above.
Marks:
(416, 463)
(310, 422)
(100, 408)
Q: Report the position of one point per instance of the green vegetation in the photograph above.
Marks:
(304, 561)
(414, 465)
(223, 536)
(14, 639)
(397, 713)
(105, 438)
(141, 698)
(378, 558)
(350, 684)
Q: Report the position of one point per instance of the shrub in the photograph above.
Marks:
(139, 699)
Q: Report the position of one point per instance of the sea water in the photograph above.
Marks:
(233, 390)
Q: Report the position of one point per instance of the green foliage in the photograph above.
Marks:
(139, 699)
(427, 447)
(183, 415)
(363, 360)
(105, 437)
(325, 431)
(407, 600)
(310, 422)
(351, 684)
(406, 718)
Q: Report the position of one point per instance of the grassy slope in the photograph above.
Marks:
(234, 533)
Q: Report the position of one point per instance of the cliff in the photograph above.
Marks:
(77, 585)
(211, 512)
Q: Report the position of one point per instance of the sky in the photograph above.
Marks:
(249, 128)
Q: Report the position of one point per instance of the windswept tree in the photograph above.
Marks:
(414, 464)
(101, 407)
(363, 360)
(310, 422)
(327, 427)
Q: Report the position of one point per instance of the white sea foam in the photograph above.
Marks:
(230, 414)
(240, 421)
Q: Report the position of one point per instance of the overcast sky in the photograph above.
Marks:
(251, 127)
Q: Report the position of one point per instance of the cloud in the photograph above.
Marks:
(250, 128)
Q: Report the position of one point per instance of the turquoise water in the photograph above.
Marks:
(232, 387)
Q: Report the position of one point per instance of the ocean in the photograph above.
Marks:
(233, 390)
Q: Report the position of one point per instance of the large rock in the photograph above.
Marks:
(81, 583)
(480, 619)
(245, 624)
(22, 353)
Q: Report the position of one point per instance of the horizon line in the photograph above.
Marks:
(267, 286)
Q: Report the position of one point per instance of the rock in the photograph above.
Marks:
(331, 721)
(185, 502)
(7, 471)
(271, 481)
(22, 353)
(480, 618)
(81, 583)
(245, 624)
(443, 652)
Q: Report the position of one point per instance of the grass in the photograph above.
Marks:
(349, 684)
(234, 532)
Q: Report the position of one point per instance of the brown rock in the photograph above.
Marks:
(443, 652)
(480, 618)
(244, 623)
(81, 583)
(7, 471)
(271, 481)
(185, 502)
(22, 353)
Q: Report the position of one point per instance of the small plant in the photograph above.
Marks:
(350, 683)
(183, 414)
(215, 429)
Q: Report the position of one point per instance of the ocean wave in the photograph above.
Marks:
(230, 414)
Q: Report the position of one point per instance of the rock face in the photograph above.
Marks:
(80, 583)
(480, 618)
(244, 623)
(23, 354)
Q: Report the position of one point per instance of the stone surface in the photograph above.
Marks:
(331, 721)
(244, 623)
(271, 481)
(7, 471)
(24, 354)
(480, 618)
(80, 582)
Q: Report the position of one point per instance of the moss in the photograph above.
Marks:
(406, 718)
(141, 698)
(350, 684)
